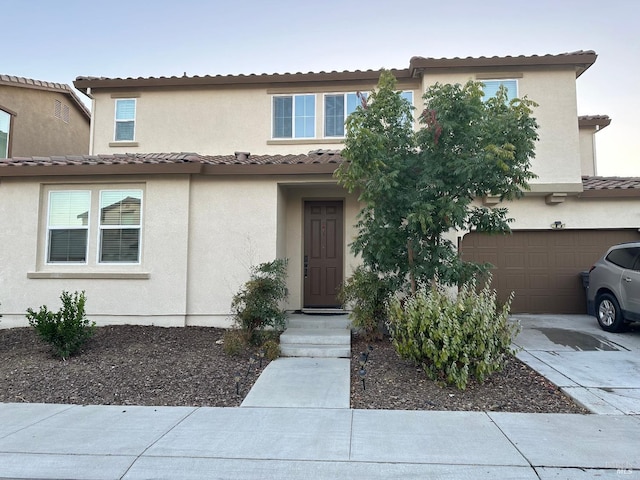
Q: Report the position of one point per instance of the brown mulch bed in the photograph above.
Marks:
(393, 383)
(143, 365)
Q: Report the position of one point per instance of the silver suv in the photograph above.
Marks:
(613, 296)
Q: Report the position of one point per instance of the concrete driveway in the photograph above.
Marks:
(600, 370)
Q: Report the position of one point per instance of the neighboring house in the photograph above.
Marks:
(41, 119)
(168, 238)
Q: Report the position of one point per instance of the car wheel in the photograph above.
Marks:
(609, 314)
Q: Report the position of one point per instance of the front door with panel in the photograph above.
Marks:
(323, 253)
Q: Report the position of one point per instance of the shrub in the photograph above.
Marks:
(257, 305)
(271, 349)
(367, 293)
(234, 342)
(453, 338)
(66, 330)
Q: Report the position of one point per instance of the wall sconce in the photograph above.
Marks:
(557, 225)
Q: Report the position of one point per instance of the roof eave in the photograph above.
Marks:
(84, 83)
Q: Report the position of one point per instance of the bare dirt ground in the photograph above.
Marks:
(127, 365)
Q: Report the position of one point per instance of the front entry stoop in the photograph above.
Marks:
(316, 336)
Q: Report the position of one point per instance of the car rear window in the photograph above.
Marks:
(624, 257)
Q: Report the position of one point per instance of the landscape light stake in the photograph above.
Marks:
(251, 362)
(237, 378)
(362, 374)
(261, 356)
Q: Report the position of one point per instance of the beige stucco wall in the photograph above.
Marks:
(158, 299)
(557, 159)
(587, 151)
(210, 122)
(200, 238)
(201, 235)
(233, 226)
(36, 131)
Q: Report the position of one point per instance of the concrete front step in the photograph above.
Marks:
(315, 351)
(316, 336)
(318, 321)
(320, 336)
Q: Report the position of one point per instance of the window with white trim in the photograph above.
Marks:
(491, 88)
(5, 125)
(337, 107)
(94, 223)
(125, 120)
(294, 116)
(68, 226)
(120, 226)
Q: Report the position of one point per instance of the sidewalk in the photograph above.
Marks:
(116, 442)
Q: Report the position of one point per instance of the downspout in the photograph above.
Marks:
(92, 125)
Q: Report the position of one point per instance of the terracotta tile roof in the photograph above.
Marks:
(611, 187)
(316, 156)
(611, 183)
(63, 88)
(318, 161)
(269, 79)
(599, 121)
(582, 60)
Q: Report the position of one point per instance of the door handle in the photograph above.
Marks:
(306, 265)
(627, 279)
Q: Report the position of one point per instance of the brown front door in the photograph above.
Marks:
(323, 255)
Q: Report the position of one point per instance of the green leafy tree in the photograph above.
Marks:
(418, 185)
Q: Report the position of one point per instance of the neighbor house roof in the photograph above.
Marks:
(63, 88)
(611, 186)
(580, 60)
(315, 162)
(596, 121)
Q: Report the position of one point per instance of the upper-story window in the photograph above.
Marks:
(125, 119)
(5, 125)
(337, 107)
(294, 116)
(491, 88)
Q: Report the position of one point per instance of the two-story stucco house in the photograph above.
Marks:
(41, 118)
(165, 238)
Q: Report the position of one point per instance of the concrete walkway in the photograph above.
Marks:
(317, 436)
(304, 383)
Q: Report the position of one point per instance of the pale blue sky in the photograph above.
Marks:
(60, 40)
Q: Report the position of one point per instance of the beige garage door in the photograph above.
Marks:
(542, 267)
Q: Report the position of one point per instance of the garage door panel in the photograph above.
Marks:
(542, 267)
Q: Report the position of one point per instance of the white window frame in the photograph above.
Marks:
(9, 119)
(345, 113)
(124, 120)
(294, 134)
(50, 228)
(94, 226)
(501, 81)
(122, 226)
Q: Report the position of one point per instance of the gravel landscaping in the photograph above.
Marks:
(141, 365)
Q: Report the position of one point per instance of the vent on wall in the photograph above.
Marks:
(61, 111)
